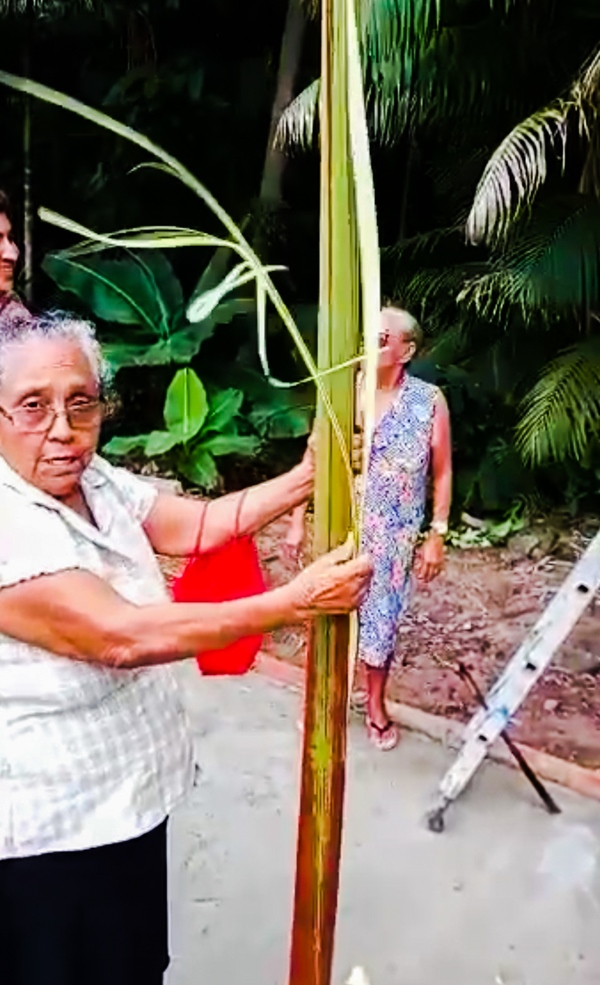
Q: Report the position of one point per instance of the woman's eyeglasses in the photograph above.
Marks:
(40, 416)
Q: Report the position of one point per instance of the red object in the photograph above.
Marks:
(231, 572)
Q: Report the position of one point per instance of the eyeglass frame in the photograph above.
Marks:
(96, 404)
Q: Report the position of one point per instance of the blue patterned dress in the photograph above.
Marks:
(394, 508)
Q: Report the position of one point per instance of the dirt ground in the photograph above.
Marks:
(479, 610)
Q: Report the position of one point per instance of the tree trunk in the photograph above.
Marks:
(410, 153)
(289, 64)
(28, 209)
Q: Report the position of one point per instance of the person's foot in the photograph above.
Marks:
(384, 737)
(359, 700)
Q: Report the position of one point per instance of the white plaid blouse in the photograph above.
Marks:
(88, 756)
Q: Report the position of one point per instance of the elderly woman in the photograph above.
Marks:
(94, 746)
(411, 441)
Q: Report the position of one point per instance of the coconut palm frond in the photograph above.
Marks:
(551, 263)
(296, 127)
(416, 69)
(426, 270)
(560, 415)
(447, 70)
(422, 245)
(311, 7)
(428, 286)
(586, 95)
(392, 25)
(46, 7)
(516, 171)
(585, 91)
(519, 166)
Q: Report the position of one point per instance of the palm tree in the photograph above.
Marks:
(545, 259)
(440, 74)
(424, 62)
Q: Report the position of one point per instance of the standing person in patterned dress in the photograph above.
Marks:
(411, 438)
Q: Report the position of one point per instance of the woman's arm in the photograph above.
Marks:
(431, 557)
(441, 461)
(75, 614)
(174, 523)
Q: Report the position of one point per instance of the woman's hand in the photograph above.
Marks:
(307, 465)
(332, 585)
(294, 540)
(357, 451)
(430, 558)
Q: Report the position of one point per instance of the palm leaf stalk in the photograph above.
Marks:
(348, 256)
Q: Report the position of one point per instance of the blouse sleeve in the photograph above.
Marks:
(139, 495)
(33, 543)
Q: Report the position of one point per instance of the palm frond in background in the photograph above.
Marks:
(561, 414)
(516, 171)
(421, 67)
(47, 7)
(550, 263)
(297, 123)
(520, 165)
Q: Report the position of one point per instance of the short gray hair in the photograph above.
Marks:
(411, 327)
(20, 327)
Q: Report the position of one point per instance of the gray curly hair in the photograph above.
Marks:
(18, 327)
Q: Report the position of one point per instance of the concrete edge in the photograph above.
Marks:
(551, 768)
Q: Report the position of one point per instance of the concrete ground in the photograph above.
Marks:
(506, 896)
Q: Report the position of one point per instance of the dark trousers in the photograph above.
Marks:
(94, 917)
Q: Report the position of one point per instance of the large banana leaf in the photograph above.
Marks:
(139, 288)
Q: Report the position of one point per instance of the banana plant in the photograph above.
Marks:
(198, 430)
(139, 289)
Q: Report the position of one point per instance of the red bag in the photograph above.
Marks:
(227, 573)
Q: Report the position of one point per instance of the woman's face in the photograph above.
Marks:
(55, 373)
(9, 254)
(396, 346)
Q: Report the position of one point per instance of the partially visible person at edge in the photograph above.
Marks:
(95, 751)
(411, 438)
(10, 304)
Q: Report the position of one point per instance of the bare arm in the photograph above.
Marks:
(75, 614)
(441, 461)
(174, 523)
(431, 557)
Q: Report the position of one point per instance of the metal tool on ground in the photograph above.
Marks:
(522, 672)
